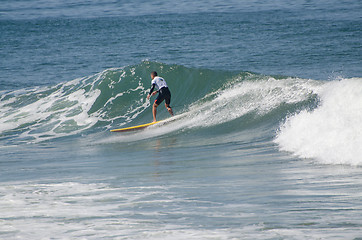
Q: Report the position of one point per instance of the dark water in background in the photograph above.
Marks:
(310, 40)
(265, 144)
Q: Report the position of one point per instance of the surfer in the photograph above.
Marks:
(163, 94)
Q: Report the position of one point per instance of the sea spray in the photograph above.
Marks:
(244, 96)
(331, 133)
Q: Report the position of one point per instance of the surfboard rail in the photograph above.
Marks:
(138, 127)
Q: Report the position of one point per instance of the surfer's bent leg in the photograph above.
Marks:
(168, 101)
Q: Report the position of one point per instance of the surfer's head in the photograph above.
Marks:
(153, 74)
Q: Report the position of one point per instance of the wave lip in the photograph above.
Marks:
(331, 133)
(244, 96)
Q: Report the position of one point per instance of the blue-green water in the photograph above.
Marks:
(266, 142)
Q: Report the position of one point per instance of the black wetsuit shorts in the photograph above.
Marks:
(163, 94)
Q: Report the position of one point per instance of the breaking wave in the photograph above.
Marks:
(331, 133)
(312, 119)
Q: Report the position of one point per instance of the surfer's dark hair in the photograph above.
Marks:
(154, 73)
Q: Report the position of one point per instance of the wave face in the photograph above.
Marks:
(111, 98)
(316, 119)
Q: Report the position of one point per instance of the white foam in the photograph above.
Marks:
(73, 210)
(332, 133)
(54, 110)
(51, 112)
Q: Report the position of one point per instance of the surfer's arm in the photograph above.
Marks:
(151, 91)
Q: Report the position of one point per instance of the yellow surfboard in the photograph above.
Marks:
(139, 127)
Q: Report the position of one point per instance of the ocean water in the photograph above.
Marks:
(266, 142)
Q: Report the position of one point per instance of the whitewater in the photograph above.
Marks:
(331, 133)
